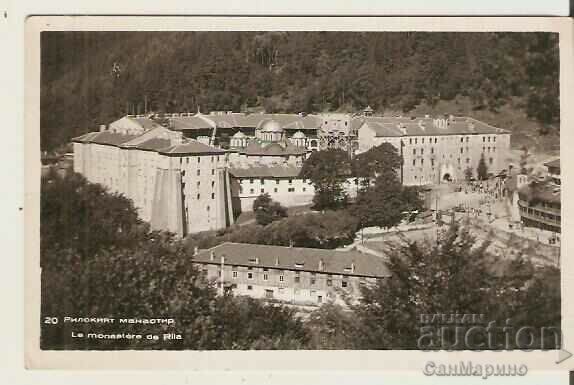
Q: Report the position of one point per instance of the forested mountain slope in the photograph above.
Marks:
(89, 78)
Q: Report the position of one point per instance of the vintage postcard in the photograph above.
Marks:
(298, 193)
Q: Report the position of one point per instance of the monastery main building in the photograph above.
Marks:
(195, 172)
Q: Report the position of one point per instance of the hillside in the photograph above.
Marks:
(507, 79)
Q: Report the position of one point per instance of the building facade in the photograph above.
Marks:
(293, 275)
(179, 181)
(438, 150)
(176, 184)
(539, 200)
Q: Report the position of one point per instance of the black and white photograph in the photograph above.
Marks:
(300, 190)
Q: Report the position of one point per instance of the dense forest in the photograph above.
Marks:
(89, 78)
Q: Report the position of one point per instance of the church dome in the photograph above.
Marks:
(271, 126)
(239, 135)
(299, 135)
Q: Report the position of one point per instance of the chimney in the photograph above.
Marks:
(212, 256)
(421, 125)
(102, 127)
(195, 250)
(352, 267)
(276, 261)
(321, 265)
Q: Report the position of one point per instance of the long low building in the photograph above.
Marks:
(294, 275)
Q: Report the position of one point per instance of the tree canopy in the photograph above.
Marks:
(91, 78)
(328, 170)
(266, 210)
(98, 261)
(456, 275)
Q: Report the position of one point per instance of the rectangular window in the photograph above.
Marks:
(490, 160)
(281, 278)
(304, 189)
(251, 181)
(297, 279)
(276, 181)
(410, 141)
(422, 161)
(212, 159)
(262, 181)
(291, 189)
(212, 171)
(262, 191)
(249, 287)
(484, 138)
(265, 277)
(198, 171)
(461, 150)
(198, 159)
(319, 299)
(249, 275)
(313, 281)
(343, 283)
(467, 139)
(461, 139)
(414, 162)
(198, 184)
(290, 181)
(422, 151)
(275, 189)
(416, 140)
(268, 293)
(432, 150)
(251, 191)
(198, 196)
(234, 274)
(212, 195)
(414, 151)
(423, 140)
(329, 282)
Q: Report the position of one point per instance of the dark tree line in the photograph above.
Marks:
(90, 78)
(381, 199)
(128, 271)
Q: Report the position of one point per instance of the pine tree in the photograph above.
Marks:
(482, 169)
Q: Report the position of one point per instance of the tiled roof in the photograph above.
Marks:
(145, 123)
(284, 148)
(286, 121)
(405, 126)
(296, 258)
(191, 147)
(287, 171)
(104, 137)
(85, 137)
(154, 144)
(190, 123)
